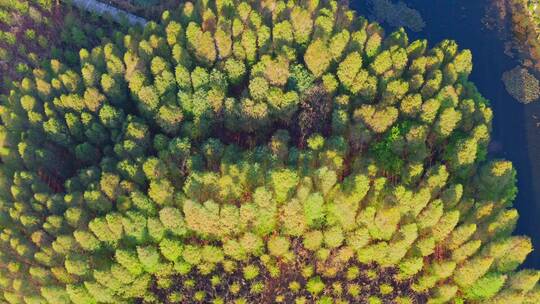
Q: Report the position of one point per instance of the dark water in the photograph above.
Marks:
(516, 127)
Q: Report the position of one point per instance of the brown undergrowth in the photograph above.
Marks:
(277, 288)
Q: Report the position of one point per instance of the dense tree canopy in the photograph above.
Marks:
(257, 152)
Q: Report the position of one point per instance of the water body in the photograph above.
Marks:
(516, 127)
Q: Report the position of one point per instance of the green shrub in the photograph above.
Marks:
(315, 286)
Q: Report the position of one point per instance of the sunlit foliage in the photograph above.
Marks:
(257, 152)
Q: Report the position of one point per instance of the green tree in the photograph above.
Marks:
(317, 57)
(202, 43)
(292, 137)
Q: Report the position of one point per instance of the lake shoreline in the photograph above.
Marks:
(514, 130)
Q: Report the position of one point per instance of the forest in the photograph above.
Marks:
(242, 151)
(33, 32)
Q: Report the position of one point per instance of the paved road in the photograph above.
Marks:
(101, 8)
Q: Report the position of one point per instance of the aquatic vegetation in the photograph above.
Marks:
(521, 82)
(397, 14)
(522, 85)
(257, 152)
(525, 15)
